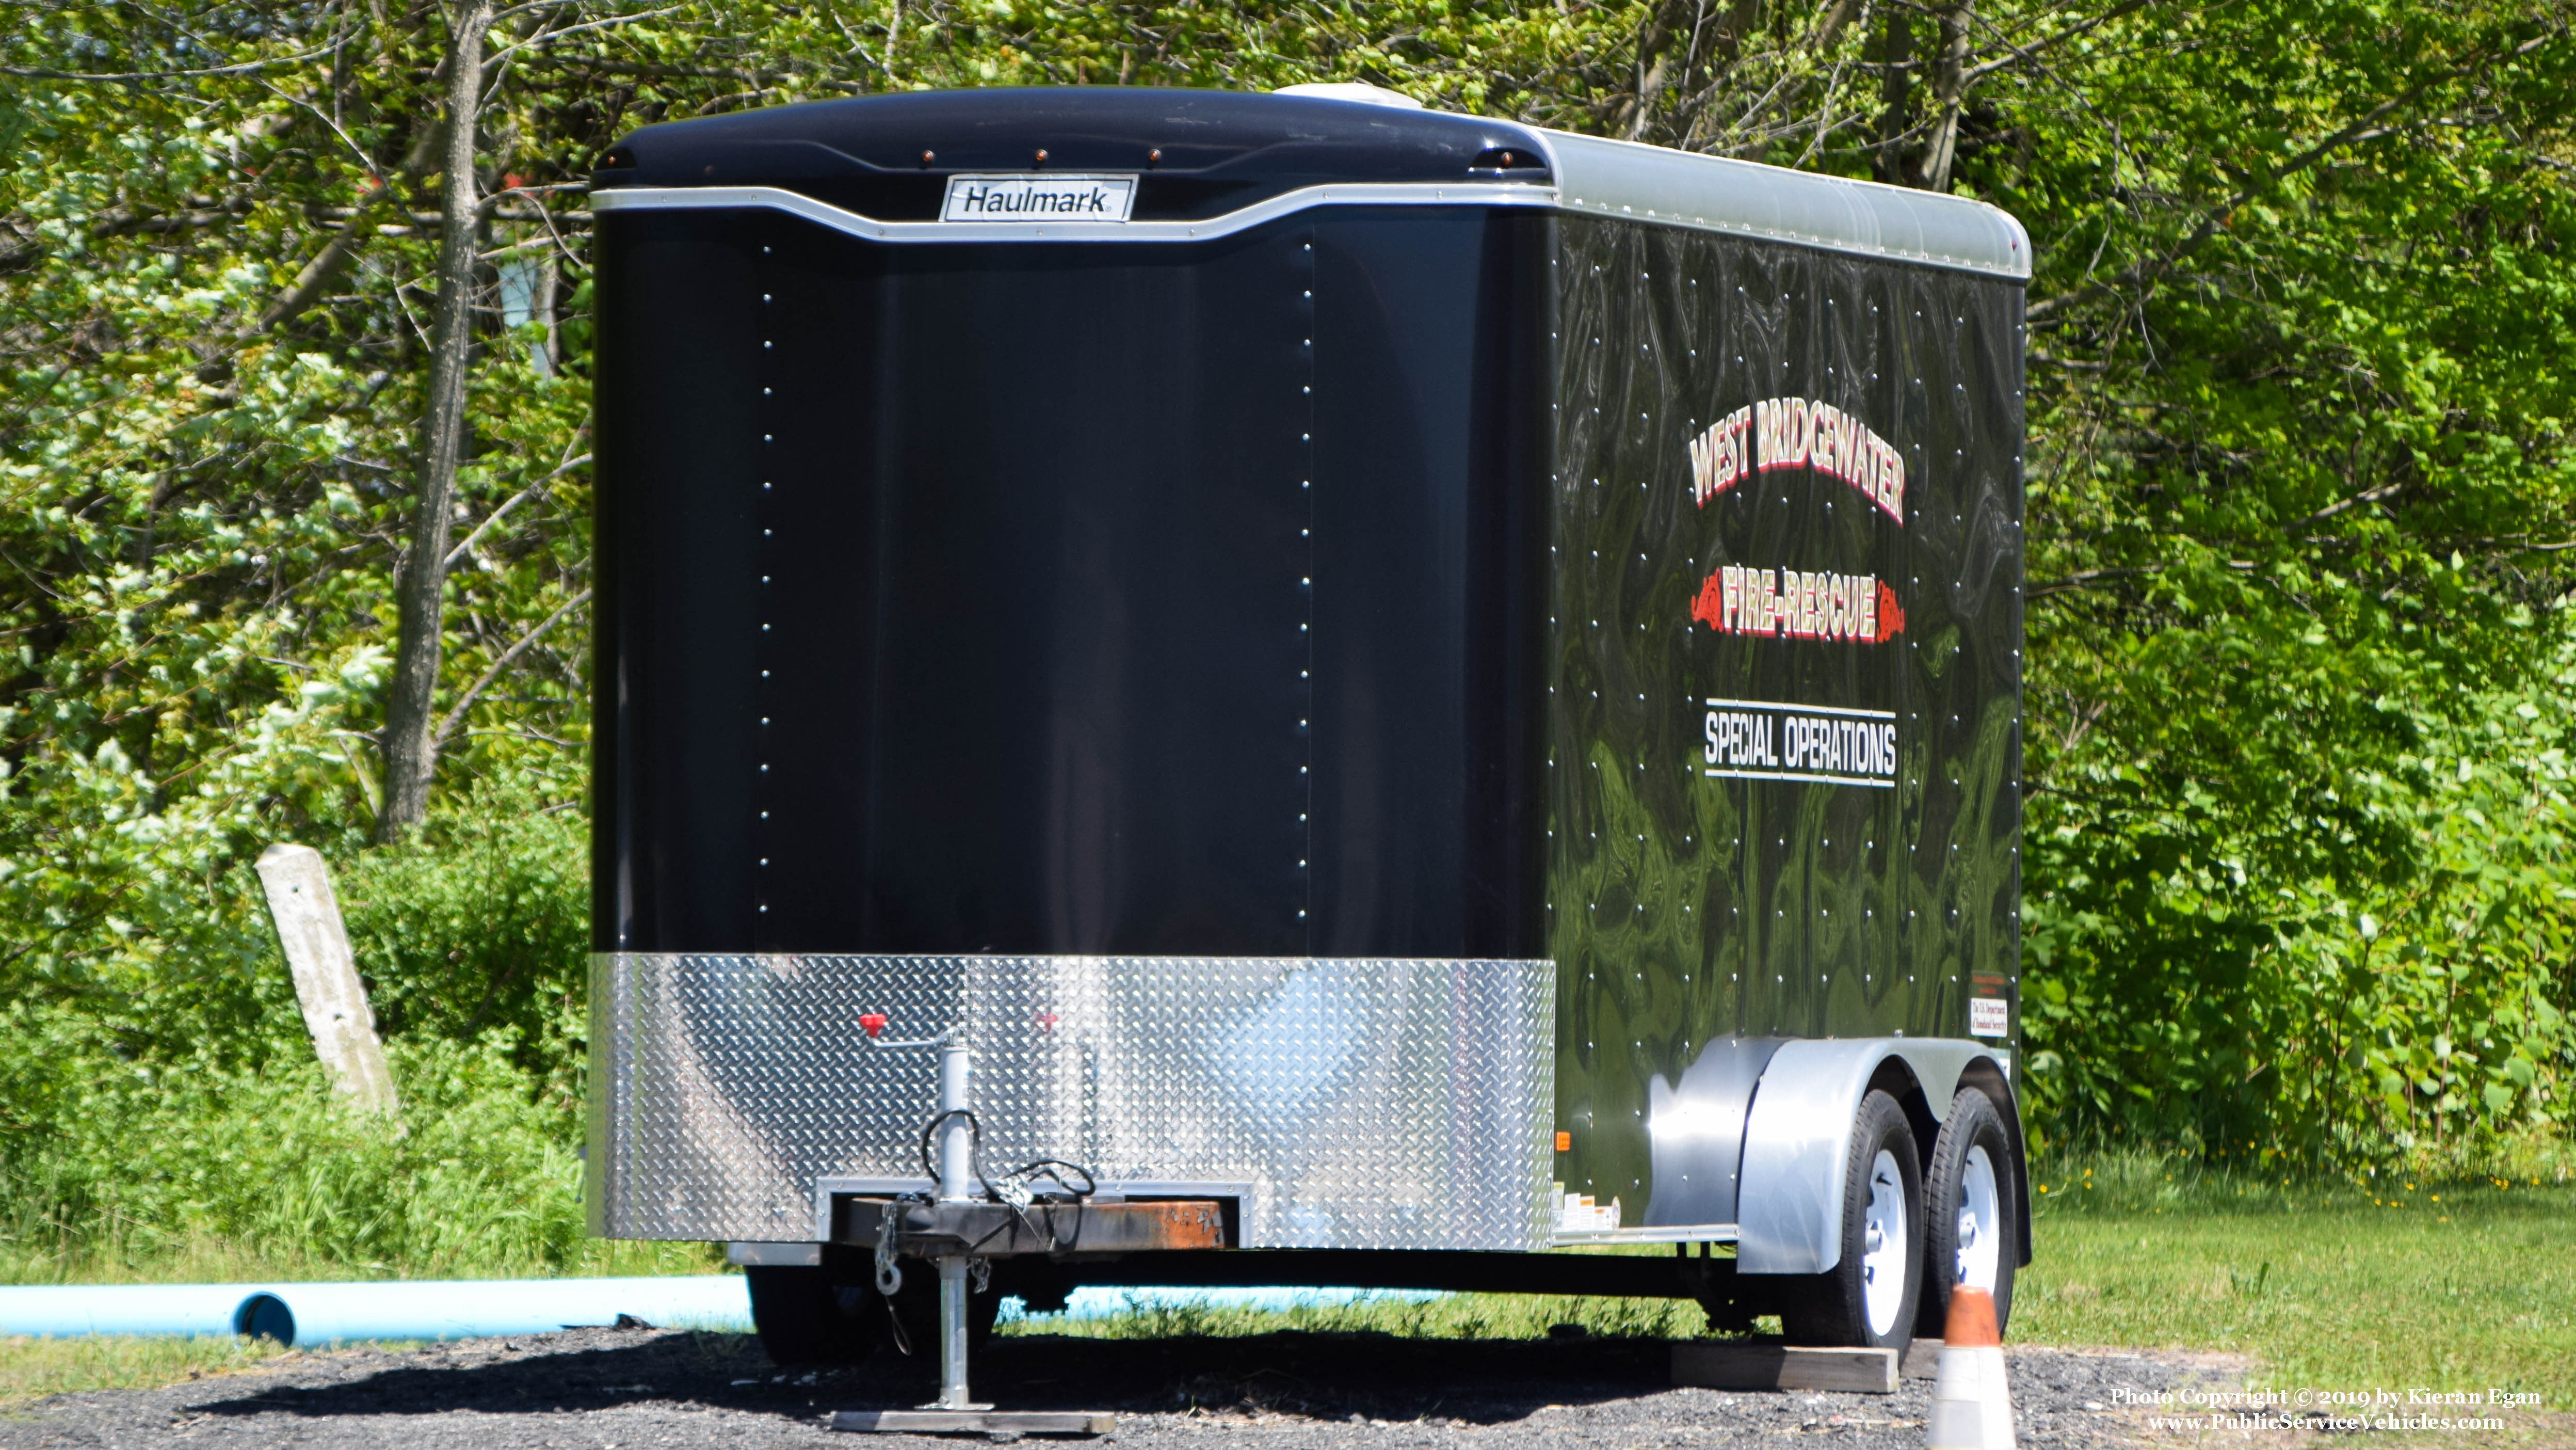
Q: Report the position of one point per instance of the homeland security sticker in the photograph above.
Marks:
(1047, 197)
(1989, 1017)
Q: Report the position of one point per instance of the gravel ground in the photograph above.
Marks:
(634, 1388)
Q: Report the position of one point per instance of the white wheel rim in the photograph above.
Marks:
(1884, 1242)
(1981, 1228)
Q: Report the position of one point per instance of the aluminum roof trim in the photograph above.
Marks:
(1711, 193)
(1619, 179)
(693, 198)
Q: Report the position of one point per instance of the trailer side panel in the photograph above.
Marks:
(1785, 728)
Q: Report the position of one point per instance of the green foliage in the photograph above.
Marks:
(2299, 662)
(2334, 1013)
(480, 927)
(266, 1167)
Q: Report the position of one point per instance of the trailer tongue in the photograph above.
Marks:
(1420, 692)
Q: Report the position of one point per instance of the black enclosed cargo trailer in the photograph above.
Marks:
(1421, 690)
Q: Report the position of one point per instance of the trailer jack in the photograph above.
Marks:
(956, 1410)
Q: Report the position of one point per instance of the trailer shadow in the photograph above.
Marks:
(1324, 1376)
(1329, 1375)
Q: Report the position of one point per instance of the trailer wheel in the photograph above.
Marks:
(1973, 1195)
(804, 1318)
(1868, 1299)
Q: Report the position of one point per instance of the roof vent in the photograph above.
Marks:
(1360, 91)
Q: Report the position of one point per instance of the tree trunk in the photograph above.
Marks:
(1668, 23)
(548, 282)
(1949, 80)
(411, 750)
(1895, 95)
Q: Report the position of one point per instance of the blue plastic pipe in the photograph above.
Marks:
(309, 1314)
(121, 1309)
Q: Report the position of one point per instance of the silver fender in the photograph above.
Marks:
(1789, 1208)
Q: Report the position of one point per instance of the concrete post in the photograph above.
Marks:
(326, 974)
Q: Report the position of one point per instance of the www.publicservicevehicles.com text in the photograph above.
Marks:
(2407, 1409)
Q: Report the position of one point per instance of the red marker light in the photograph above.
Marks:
(872, 1023)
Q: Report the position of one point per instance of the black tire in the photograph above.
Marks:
(805, 1319)
(1974, 1131)
(1868, 1301)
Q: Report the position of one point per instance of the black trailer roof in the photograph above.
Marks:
(1212, 162)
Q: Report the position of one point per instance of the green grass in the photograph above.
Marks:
(216, 1261)
(1451, 1316)
(2370, 1284)
(2323, 1284)
(33, 1368)
(226, 1174)
(2383, 1283)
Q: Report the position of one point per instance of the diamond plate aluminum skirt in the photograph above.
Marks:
(1382, 1104)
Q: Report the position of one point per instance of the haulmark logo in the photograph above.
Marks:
(1788, 603)
(1045, 198)
(1795, 433)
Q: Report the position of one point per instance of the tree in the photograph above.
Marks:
(2300, 485)
(410, 747)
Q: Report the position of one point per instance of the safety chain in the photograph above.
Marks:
(889, 1273)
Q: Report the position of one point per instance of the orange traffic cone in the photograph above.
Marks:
(1971, 1406)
